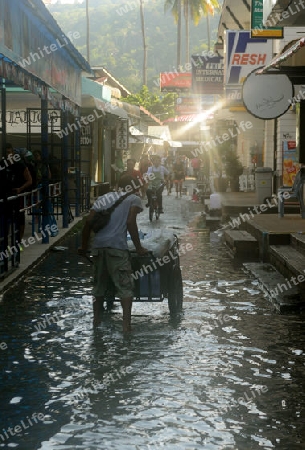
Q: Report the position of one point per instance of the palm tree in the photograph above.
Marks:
(144, 43)
(175, 7)
(194, 10)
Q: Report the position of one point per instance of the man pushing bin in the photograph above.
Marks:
(110, 250)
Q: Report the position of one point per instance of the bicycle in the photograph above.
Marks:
(154, 208)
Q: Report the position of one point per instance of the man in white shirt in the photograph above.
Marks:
(110, 251)
(160, 176)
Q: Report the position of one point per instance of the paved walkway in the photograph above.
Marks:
(31, 255)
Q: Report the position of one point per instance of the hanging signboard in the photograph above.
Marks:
(188, 105)
(86, 135)
(207, 74)
(121, 134)
(257, 27)
(267, 96)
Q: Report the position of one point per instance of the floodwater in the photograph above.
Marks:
(227, 374)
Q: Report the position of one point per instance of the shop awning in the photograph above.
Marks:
(90, 102)
(292, 56)
(38, 56)
(138, 137)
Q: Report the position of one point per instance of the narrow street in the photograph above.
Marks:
(227, 374)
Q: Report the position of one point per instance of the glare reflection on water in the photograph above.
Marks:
(227, 374)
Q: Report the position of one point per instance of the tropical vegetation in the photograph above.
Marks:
(116, 38)
(161, 106)
(194, 10)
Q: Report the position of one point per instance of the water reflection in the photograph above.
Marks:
(229, 374)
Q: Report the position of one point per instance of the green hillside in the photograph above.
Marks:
(116, 39)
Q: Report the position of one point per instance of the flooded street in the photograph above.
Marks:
(227, 374)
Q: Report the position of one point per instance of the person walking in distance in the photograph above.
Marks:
(110, 250)
(160, 174)
(179, 175)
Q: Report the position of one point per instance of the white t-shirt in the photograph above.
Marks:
(114, 235)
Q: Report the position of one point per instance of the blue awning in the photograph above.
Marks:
(37, 53)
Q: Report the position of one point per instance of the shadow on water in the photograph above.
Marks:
(227, 374)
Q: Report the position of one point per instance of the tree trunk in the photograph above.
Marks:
(144, 43)
(187, 34)
(179, 26)
(208, 32)
(88, 31)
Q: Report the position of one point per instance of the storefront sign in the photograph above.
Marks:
(243, 55)
(257, 27)
(17, 120)
(188, 105)
(121, 134)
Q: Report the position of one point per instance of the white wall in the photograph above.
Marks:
(251, 136)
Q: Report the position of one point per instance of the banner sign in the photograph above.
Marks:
(17, 120)
(175, 81)
(290, 162)
(207, 74)
(257, 27)
(121, 134)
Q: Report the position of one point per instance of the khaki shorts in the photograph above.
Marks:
(115, 264)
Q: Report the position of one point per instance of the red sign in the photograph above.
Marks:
(175, 82)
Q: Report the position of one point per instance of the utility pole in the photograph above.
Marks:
(88, 31)
(144, 43)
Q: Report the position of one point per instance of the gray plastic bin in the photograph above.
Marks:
(263, 182)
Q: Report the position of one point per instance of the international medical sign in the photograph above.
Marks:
(243, 55)
(207, 74)
(257, 27)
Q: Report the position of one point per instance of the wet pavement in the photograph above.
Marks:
(227, 374)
